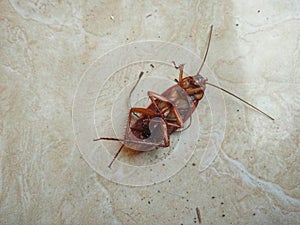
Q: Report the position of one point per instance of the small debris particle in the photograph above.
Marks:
(198, 214)
(164, 165)
(236, 24)
(254, 214)
(223, 215)
(112, 18)
(222, 203)
(258, 11)
(193, 164)
(213, 197)
(152, 65)
(148, 15)
(195, 220)
(237, 110)
(149, 202)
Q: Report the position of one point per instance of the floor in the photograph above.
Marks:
(67, 70)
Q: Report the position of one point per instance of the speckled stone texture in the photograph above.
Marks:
(46, 48)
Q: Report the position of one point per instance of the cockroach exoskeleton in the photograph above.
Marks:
(151, 127)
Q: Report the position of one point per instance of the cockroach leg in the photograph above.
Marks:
(174, 63)
(185, 128)
(166, 136)
(108, 139)
(112, 139)
(191, 91)
(132, 90)
(143, 111)
(116, 155)
(180, 67)
(154, 96)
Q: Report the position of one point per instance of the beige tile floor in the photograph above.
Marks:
(51, 176)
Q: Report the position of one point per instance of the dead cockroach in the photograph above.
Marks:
(151, 127)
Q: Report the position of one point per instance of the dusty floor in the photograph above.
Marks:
(66, 71)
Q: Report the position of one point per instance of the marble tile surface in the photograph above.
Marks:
(245, 167)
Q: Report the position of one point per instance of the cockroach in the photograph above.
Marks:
(151, 127)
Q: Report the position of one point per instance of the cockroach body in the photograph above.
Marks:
(151, 127)
(166, 114)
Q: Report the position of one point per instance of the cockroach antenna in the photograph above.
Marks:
(247, 103)
(223, 89)
(207, 48)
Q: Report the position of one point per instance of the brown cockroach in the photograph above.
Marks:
(151, 127)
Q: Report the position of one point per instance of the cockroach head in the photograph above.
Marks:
(200, 81)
